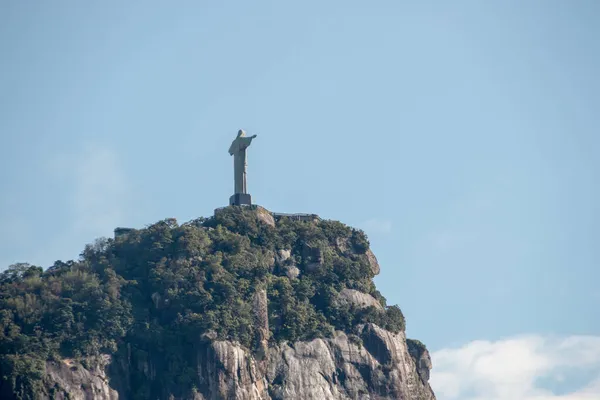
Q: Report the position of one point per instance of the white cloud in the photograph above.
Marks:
(518, 369)
(377, 226)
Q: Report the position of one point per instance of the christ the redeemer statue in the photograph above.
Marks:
(238, 151)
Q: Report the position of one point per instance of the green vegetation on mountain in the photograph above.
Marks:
(155, 291)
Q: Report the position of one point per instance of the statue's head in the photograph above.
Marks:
(241, 133)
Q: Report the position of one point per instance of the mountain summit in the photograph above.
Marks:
(244, 305)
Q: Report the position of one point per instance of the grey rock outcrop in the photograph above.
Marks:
(284, 259)
(421, 357)
(358, 299)
(373, 262)
(68, 379)
(339, 368)
(265, 216)
(209, 336)
(342, 245)
(227, 371)
(424, 366)
(374, 364)
(291, 271)
(283, 255)
(334, 369)
(261, 321)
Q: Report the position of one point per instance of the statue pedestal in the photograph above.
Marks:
(240, 199)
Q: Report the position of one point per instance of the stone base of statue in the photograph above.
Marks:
(240, 199)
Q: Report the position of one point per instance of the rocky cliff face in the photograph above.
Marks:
(373, 364)
(69, 380)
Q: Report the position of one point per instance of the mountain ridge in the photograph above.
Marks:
(246, 304)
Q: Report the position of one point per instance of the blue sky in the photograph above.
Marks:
(462, 136)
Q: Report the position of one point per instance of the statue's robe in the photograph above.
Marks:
(238, 151)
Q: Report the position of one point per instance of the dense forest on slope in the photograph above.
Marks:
(163, 288)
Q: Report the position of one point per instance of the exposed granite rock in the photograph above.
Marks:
(283, 255)
(303, 370)
(374, 364)
(424, 366)
(227, 371)
(68, 379)
(421, 357)
(401, 380)
(265, 216)
(343, 245)
(261, 321)
(291, 271)
(358, 299)
(209, 335)
(339, 368)
(373, 262)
